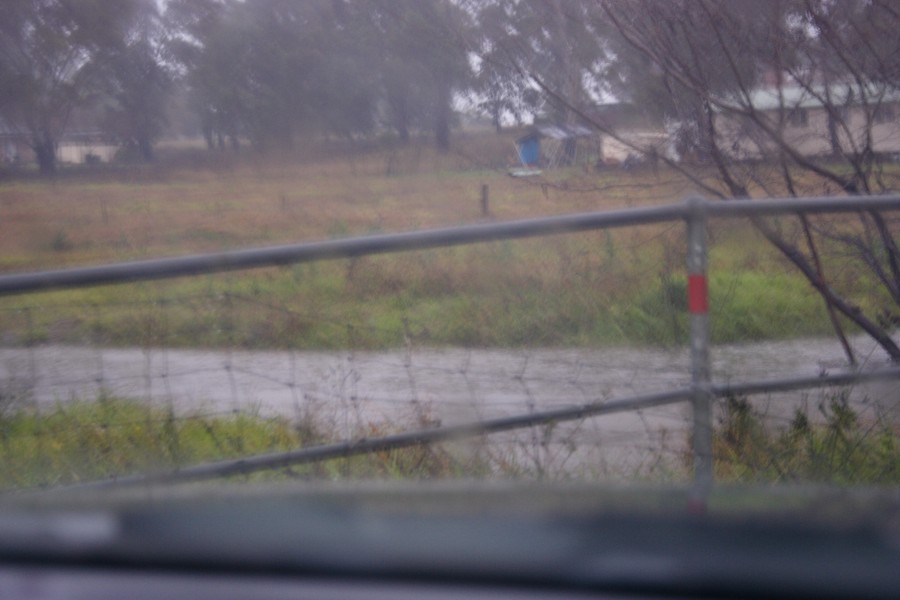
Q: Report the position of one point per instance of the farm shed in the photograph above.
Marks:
(559, 146)
(631, 132)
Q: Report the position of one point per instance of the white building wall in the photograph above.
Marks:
(615, 151)
(742, 139)
(68, 152)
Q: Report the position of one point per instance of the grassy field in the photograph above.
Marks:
(109, 437)
(622, 286)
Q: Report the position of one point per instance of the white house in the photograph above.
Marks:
(814, 121)
(72, 147)
(83, 147)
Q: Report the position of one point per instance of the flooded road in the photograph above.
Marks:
(362, 393)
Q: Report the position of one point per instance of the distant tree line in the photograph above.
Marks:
(268, 71)
(265, 71)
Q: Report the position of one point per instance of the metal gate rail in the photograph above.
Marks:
(695, 212)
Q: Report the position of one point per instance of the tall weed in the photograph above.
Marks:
(842, 449)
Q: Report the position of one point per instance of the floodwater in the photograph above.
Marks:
(366, 393)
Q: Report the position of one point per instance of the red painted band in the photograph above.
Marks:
(697, 295)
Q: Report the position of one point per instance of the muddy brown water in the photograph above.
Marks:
(364, 393)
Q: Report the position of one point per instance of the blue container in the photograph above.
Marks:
(529, 150)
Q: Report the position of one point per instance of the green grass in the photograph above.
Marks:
(624, 286)
(844, 450)
(562, 292)
(754, 305)
(89, 440)
(82, 441)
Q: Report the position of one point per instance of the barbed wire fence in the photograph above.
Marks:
(355, 393)
(348, 398)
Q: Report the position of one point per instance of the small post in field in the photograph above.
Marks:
(485, 210)
(698, 305)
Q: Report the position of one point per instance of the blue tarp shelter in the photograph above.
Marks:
(529, 147)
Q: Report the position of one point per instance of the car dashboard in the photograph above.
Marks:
(467, 542)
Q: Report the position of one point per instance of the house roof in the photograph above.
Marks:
(795, 96)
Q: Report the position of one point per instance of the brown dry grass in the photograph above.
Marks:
(589, 288)
(230, 203)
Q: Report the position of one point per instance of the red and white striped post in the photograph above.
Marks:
(698, 305)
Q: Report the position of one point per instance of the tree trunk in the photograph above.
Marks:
(851, 312)
(146, 149)
(403, 132)
(45, 152)
(400, 112)
(442, 133)
(442, 119)
(833, 138)
(568, 70)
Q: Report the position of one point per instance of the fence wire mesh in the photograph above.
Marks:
(350, 394)
(107, 382)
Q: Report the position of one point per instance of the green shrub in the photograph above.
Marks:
(842, 450)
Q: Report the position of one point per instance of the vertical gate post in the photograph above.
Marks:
(698, 305)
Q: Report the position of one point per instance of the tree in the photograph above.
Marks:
(46, 53)
(738, 77)
(205, 42)
(272, 69)
(528, 48)
(499, 88)
(137, 80)
(424, 62)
